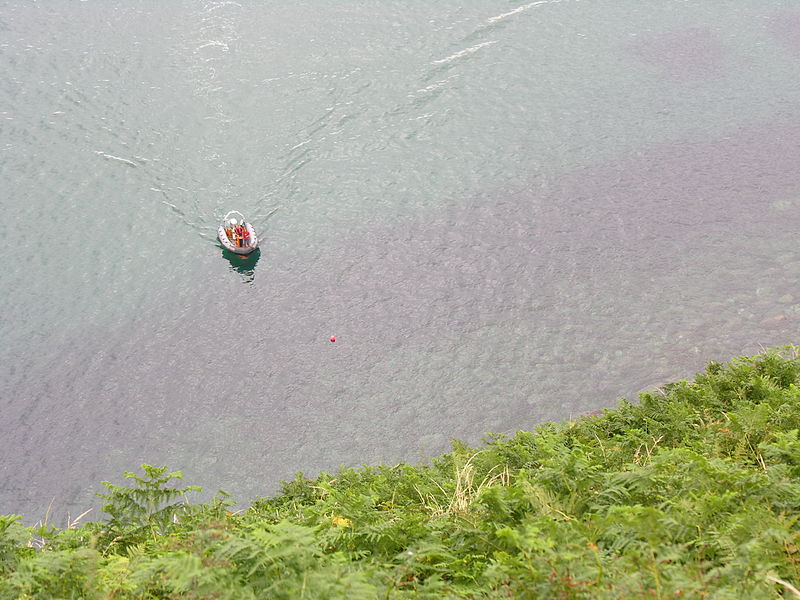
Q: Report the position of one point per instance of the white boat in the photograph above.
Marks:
(236, 234)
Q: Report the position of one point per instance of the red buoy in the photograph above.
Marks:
(333, 338)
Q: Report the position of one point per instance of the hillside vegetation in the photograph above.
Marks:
(691, 492)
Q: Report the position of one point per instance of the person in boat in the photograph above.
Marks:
(239, 236)
(233, 234)
(245, 236)
(231, 231)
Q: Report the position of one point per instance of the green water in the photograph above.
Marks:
(506, 212)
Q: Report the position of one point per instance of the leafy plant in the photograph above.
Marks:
(148, 507)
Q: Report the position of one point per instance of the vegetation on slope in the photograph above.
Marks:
(693, 492)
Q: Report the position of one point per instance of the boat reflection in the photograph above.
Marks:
(244, 264)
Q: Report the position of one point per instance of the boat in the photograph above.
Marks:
(236, 234)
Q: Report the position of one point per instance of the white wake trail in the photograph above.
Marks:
(521, 9)
(462, 53)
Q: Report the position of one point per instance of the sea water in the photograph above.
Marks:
(506, 213)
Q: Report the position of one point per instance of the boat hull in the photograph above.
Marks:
(229, 245)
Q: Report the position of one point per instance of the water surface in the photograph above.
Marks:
(506, 212)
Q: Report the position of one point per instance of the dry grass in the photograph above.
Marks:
(465, 491)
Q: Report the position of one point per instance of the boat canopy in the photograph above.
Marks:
(233, 218)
